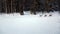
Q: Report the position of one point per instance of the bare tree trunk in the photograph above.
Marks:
(14, 5)
(11, 6)
(47, 6)
(1, 6)
(17, 6)
(33, 7)
(59, 5)
(5, 8)
(21, 7)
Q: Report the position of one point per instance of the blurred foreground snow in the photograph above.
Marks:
(30, 24)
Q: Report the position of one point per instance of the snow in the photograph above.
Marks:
(30, 24)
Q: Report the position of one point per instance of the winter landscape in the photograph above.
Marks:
(29, 16)
(30, 24)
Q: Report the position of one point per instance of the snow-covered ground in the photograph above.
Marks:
(30, 24)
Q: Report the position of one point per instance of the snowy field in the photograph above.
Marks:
(30, 24)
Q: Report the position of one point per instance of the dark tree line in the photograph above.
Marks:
(11, 6)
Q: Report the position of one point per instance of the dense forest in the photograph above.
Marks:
(11, 6)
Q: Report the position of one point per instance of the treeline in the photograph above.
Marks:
(11, 6)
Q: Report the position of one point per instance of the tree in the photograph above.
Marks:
(47, 6)
(19, 7)
(4, 6)
(1, 5)
(34, 7)
(13, 6)
(9, 6)
(59, 4)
